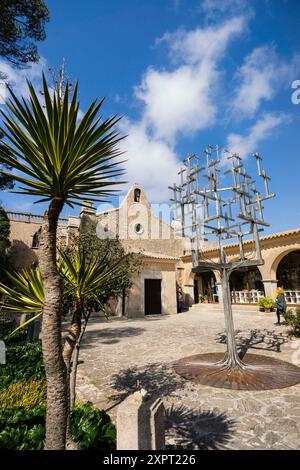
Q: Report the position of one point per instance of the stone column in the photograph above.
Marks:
(270, 286)
(220, 292)
(219, 287)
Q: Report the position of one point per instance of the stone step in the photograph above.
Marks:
(219, 309)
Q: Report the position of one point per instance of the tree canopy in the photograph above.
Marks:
(22, 23)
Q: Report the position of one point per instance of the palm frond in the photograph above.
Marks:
(83, 277)
(58, 156)
(26, 294)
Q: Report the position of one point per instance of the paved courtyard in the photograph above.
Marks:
(119, 356)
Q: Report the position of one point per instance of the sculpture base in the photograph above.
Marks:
(260, 372)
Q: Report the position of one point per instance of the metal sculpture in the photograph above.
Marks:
(217, 200)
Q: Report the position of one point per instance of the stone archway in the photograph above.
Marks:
(272, 257)
(288, 276)
(246, 285)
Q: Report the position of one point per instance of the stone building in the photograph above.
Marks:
(167, 259)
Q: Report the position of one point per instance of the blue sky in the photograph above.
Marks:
(184, 74)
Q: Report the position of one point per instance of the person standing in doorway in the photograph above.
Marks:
(280, 304)
(179, 300)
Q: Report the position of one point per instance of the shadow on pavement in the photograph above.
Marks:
(196, 429)
(158, 379)
(108, 335)
(266, 340)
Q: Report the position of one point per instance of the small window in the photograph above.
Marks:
(137, 195)
(138, 229)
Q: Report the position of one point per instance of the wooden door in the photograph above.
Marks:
(152, 296)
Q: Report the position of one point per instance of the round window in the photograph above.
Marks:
(138, 229)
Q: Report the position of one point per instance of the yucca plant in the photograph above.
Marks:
(25, 296)
(84, 279)
(59, 160)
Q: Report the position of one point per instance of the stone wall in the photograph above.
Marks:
(153, 269)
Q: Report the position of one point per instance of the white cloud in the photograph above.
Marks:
(261, 130)
(177, 101)
(183, 100)
(17, 77)
(260, 77)
(210, 43)
(151, 161)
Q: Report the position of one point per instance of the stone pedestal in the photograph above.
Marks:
(140, 423)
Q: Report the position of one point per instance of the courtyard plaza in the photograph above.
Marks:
(122, 355)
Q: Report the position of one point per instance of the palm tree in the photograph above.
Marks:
(85, 280)
(60, 161)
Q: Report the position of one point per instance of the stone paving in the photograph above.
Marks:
(121, 355)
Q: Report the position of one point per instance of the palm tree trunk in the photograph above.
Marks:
(70, 341)
(57, 404)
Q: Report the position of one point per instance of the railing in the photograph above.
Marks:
(292, 297)
(246, 297)
(31, 218)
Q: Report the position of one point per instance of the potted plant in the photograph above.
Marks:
(266, 303)
(201, 299)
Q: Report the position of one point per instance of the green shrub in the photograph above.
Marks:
(27, 394)
(92, 428)
(266, 302)
(7, 327)
(292, 319)
(23, 363)
(24, 429)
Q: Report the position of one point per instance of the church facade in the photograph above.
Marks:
(167, 266)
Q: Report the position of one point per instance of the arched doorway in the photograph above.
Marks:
(246, 285)
(288, 276)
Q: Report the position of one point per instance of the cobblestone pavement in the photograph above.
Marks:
(122, 355)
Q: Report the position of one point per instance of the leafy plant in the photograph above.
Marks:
(24, 429)
(26, 294)
(13, 337)
(92, 428)
(22, 23)
(23, 363)
(25, 394)
(292, 318)
(266, 302)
